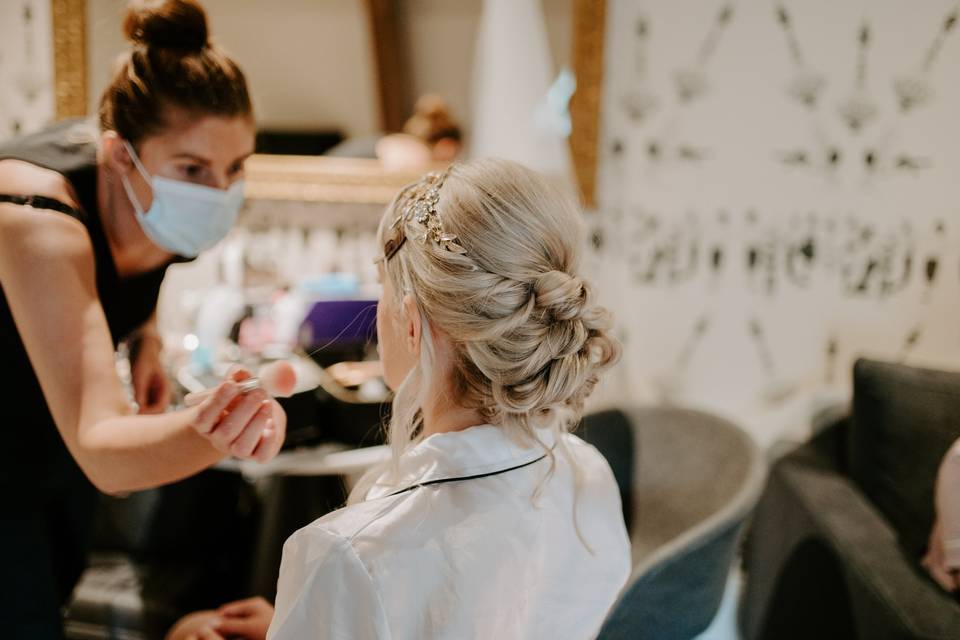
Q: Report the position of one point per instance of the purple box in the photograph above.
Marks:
(339, 323)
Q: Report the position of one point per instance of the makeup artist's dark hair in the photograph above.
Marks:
(171, 64)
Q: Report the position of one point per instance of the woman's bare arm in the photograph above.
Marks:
(47, 274)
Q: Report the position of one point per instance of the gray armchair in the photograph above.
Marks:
(689, 481)
(834, 546)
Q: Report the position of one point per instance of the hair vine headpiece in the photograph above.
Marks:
(418, 202)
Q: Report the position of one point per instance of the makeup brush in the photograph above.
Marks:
(277, 378)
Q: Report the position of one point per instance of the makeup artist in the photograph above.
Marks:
(88, 226)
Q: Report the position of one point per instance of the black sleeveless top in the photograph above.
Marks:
(36, 465)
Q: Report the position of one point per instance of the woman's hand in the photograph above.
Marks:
(942, 561)
(200, 625)
(248, 619)
(151, 387)
(935, 561)
(250, 425)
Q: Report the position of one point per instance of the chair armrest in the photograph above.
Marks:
(888, 595)
(828, 415)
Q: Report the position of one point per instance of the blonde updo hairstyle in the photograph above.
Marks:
(527, 341)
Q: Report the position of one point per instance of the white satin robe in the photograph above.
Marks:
(469, 558)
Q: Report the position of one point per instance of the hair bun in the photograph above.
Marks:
(561, 294)
(167, 24)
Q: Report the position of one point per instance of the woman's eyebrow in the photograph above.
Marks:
(242, 158)
(186, 155)
(192, 156)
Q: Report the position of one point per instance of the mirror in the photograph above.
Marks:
(332, 71)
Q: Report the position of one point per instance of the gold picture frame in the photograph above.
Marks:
(69, 57)
(589, 31)
(319, 179)
(323, 179)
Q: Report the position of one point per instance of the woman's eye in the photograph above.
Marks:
(193, 172)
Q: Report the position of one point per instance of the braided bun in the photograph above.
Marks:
(560, 294)
(529, 343)
(558, 355)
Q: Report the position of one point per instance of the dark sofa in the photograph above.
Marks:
(835, 544)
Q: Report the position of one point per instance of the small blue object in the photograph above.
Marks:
(201, 360)
(331, 285)
(553, 113)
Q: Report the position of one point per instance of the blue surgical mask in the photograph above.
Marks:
(184, 218)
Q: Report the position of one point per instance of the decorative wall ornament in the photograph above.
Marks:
(807, 84)
(756, 237)
(26, 72)
(913, 89)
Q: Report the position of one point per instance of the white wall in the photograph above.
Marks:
(26, 66)
(441, 44)
(309, 62)
(744, 194)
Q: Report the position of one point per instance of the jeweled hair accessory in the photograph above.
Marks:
(418, 202)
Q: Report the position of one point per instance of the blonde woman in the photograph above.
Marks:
(490, 520)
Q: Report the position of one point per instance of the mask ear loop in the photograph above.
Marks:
(136, 161)
(126, 182)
